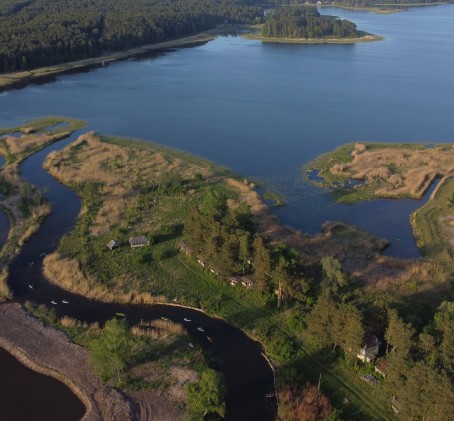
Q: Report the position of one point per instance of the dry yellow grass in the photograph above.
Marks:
(158, 329)
(118, 169)
(67, 321)
(402, 171)
(5, 292)
(18, 145)
(67, 274)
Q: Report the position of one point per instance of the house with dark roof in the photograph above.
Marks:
(247, 281)
(139, 241)
(369, 351)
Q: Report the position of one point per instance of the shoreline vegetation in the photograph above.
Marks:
(25, 206)
(21, 78)
(384, 8)
(327, 40)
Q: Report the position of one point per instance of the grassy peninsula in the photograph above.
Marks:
(311, 299)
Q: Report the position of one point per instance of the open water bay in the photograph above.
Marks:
(265, 110)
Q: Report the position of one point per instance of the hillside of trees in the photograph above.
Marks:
(305, 22)
(36, 33)
(327, 310)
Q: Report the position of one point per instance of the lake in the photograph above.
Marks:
(265, 110)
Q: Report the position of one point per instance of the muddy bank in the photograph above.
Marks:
(50, 352)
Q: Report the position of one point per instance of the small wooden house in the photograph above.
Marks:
(369, 351)
(234, 280)
(247, 281)
(139, 241)
(113, 244)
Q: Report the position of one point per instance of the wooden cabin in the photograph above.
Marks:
(139, 241)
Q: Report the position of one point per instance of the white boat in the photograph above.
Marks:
(65, 301)
(201, 329)
(192, 346)
(31, 286)
(186, 319)
(53, 302)
(120, 314)
(164, 318)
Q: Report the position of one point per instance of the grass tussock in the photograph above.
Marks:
(67, 321)
(158, 329)
(67, 274)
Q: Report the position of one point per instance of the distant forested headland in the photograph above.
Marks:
(36, 33)
(305, 22)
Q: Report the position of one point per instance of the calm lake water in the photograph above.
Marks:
(265, 110)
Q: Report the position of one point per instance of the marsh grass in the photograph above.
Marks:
(158, 329)
(388, 170)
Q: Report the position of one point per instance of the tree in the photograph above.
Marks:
(307, 404)
(333, 276)
(349, 330)
(110, 351)
(262, 263)
(320, 321)
(398, 335)
(207, 396)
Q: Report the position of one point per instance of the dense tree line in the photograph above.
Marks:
(226, 238)
(305, 22)
(38, 33)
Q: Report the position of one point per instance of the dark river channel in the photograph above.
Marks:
(247, 374)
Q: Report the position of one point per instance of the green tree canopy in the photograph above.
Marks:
(110, 351)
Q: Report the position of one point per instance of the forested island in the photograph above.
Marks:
(305, 22)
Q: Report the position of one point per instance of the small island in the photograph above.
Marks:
(305, 25)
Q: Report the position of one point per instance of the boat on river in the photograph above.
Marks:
(65, 301)
(120, 314)
(187, 320)
(53, 302)
(201, 329)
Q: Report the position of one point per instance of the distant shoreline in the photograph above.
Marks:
(363, 38)
(383, 9)
(23, 78)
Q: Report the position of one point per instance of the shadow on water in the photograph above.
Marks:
(247, 374)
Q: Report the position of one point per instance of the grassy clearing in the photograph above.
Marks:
(385, 170)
